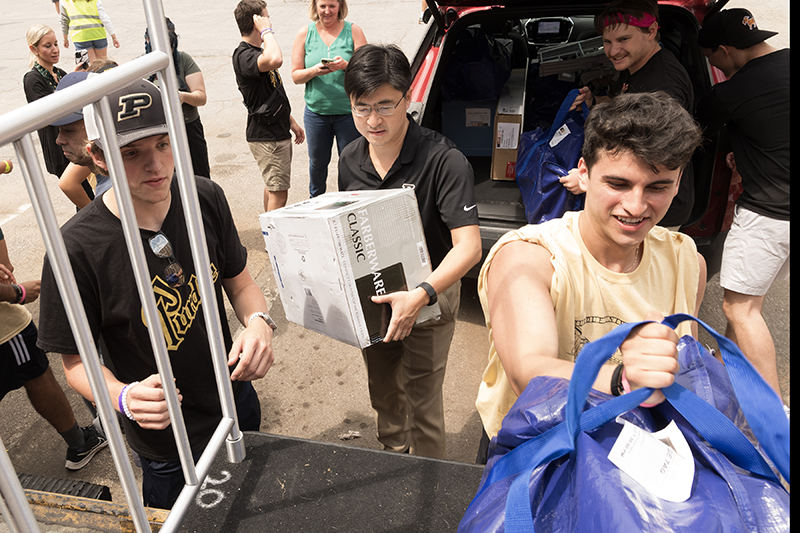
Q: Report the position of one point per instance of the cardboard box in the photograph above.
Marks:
(332, 253)
(508, 126)
(470, 125)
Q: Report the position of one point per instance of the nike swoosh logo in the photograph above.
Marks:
(470, 208)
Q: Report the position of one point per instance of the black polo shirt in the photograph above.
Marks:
(440, 174)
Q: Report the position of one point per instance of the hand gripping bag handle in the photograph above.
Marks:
(761, 406)
(561, 117)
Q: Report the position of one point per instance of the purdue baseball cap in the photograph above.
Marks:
(138, 113)
(732, 27)
(68, 81)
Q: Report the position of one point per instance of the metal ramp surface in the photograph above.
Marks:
(290, 484)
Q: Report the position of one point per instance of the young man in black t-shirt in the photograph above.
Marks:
(406, 370)
(630, 40)
(754, 105)
(255, 62)
(99, 258)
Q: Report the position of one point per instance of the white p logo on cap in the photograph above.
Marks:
(131, 105)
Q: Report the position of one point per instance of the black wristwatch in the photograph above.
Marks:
(433, 297)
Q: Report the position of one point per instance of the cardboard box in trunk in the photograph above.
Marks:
(332, 253)
(508, 126)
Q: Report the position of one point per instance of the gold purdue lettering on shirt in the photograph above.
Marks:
(177, 315)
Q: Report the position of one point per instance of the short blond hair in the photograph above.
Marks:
(35, 34)
(312, 10)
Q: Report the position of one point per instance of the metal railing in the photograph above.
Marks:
(17, 127)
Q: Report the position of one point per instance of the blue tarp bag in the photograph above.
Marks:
(544, 157)
(548, 469)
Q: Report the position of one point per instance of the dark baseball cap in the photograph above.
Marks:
(68, 81)
(138, 113)
(732, 27)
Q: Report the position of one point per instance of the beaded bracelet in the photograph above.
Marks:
(627, 388)
(122, 401)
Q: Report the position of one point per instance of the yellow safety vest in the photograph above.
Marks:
(84, 21)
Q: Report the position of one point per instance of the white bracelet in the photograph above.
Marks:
(124, 396)
(266, 30)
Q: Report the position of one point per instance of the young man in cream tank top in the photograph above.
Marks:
(548, 289)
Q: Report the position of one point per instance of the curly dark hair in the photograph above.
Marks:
(651, 126)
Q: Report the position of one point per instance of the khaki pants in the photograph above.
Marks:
(405, 383)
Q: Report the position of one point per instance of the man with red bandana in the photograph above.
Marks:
(631, 41)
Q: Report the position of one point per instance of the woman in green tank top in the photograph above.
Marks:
(320, 55)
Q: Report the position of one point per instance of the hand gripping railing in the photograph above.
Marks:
(16, 127)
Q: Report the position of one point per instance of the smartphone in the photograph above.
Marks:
(326, 60)
(82, 57)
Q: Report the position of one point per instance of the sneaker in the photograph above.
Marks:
(94, 443)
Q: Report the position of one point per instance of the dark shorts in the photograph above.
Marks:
(20, 360)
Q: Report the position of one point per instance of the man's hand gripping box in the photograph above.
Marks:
(332, 253)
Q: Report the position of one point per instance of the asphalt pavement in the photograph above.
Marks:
(317, 388)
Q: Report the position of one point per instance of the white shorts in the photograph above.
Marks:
(756, 253)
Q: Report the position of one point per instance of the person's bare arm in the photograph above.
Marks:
(253, 348)
(525, 333)
(301, 74)
(271, 57)
(522, 315)
(146, 400)
(70, 184)
(197, 90)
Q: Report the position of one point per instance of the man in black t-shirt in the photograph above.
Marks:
(754, 105)
(406, 370)
(99, 258)
(630, 40)
(269, 120)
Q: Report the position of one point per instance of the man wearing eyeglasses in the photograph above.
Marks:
(406, 370)
(98, 254)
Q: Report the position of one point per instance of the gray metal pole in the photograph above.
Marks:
(155, 17)
(14, 504)
(62, 270)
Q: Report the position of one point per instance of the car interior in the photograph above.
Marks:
(561, 51)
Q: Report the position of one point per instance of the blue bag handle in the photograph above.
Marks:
(561, 117)
(762, 408)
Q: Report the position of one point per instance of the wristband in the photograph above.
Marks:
(616, 381)
(24, 294)
(122, 401)
(266, 30)
(627, 388)
(18, 290)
